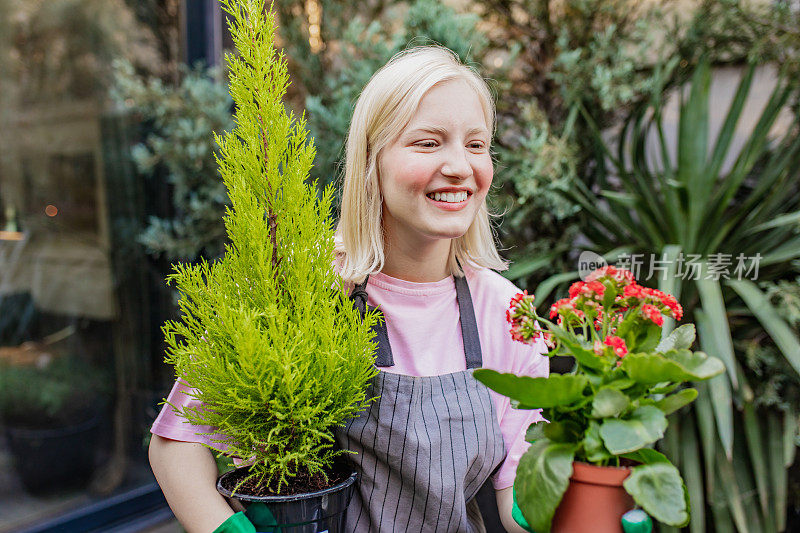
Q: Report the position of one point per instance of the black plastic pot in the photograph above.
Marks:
(323, 511)
(51, 459)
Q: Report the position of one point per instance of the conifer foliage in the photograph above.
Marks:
(267, 337)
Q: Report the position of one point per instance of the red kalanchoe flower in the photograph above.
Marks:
(576, 288)
(563, 303)
(675, 308)
(589, 290)
(653, 313)
(617, 344)
(598, 347)
(517, 298)
(595, 287)
(547, 337)
(656, 295)
(516, 333)
(634, 290)
(617, 274)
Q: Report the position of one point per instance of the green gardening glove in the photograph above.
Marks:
(237, 523)
(634, 521)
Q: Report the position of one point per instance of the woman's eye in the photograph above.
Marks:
(476, 145)
(426, 144)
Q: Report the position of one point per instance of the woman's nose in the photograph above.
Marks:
(456, 163)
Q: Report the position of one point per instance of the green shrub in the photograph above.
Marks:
(268, 337)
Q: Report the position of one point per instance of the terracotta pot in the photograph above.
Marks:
(595, 500)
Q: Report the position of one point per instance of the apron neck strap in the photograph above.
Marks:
(469, 326)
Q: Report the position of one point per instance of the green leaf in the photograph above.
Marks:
(728, 130)
(672, 403)
(563, 431)
(659, 489)
(788, 250)
(644, 426)
(593, 444)
(692, 470)
(681, 338)
(673, 365)
(789, 219)
(542, 478)
(609, 402)
(647, 456)
(755, 447)
(664, 388)
(789, 434)
(535, 432)
(730, 488)
(647, 339)
(535, 393)
(621, 383)
(714, 313)
(528, 265)
(708, 434)
(609, 295)
(777, 469)
(584, 356)
(544, 289)
(770, 319)
(693, 148)
(720, 391)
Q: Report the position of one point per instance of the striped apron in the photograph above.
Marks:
(427, 445)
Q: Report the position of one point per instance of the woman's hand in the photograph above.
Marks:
(505, 502)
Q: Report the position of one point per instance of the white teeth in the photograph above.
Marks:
(451, 197)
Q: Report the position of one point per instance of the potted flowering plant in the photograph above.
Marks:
(268, 339)
(594, 459)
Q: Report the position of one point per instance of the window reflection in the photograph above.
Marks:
(80, 302)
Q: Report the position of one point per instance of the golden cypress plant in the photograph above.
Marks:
(267, 335)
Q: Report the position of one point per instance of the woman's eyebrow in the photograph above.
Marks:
(442, 131)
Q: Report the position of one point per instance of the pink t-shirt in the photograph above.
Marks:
(425, 334)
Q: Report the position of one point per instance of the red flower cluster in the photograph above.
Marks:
(588, 304)
(591, 289)
(620, 275)
(663, 302)
(653, 313)
(620, 349)
(523, 328)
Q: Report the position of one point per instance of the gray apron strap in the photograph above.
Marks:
(383, 357)
(469, 326)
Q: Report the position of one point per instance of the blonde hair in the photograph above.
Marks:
(385, 107)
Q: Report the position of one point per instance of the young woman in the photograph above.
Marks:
(414, 239)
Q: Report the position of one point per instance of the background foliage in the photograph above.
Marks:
(178, 149)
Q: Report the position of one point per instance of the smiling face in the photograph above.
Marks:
(435, 175)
